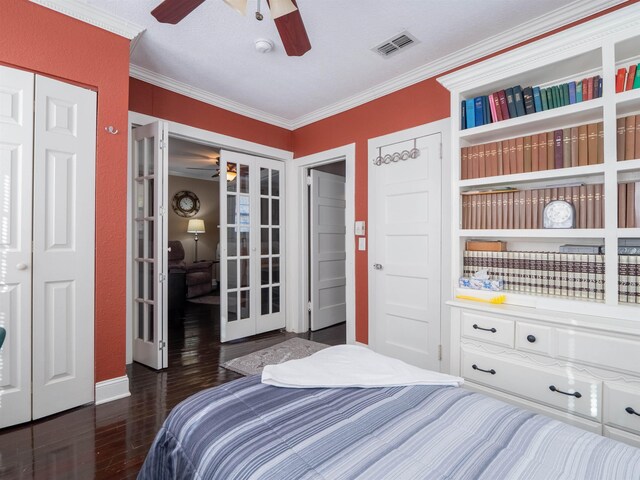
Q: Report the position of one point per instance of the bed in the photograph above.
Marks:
(248, 430)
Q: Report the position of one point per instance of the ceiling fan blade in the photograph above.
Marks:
(172, 11)
(202, 168)
(292, 32)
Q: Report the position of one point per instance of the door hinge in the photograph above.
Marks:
(163, 277)
(440, 150)
(439, 353)
(308, 179)
(309, 306)
(162, 211)
(163, 144)
(162, 345)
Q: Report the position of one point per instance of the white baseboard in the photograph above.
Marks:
(112, 389)
(361, 344)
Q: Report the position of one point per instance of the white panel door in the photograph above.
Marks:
(150, 163)
(406, 261)
(327, 250)
(63, 246)
(16, 160)
(251, 246)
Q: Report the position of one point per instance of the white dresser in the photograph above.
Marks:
(581, 369)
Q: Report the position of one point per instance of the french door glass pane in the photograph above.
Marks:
(150, 197)
(149, 252)
(140, 159)
(275, 241)
(231, 209)
(141, 320)
(275, 212)
(264, 211)
(264, 301)
(231, 186)
(275, 183)
(232, 308)
(139, 198)
(244, 272)
(244, 178)
(245, 309)
(151, 160)
(151, 323)
(264, 241)
(264, 271)
(275, 300)
(140, 292)
(150, 282)
(232, 274)
(264, 181)
(231, 242)
(244, 243)
(275, 270)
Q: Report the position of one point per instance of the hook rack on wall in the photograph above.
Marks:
(396, 156)
(111, 130)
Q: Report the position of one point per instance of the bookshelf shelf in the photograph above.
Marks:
(594, 233)
(628, 165)
(627, 102)
(570, 115)
(629, 233)
(532, 177)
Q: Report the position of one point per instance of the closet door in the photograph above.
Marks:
(63, 246)
(16, 152)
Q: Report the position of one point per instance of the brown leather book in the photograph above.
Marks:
(620, 140)
(513, 161)
(582, 220)
(473, 210)
(561, 194)
(475, 169)
(520, 155)
(630, 138)
(534, 207)
(631, 205)
(464, 164)
(514, 211)
(600, 150)
(574, 146)
(528, 217)
(566, 147)
(527, 153)
(597, 206)
(493, 160)
(522, 205)
(535, 155)
(542, 201)
(489, 212)
(542, 151)
(554, 194)
(592, 140)
(583, 146)
(575, 200)
(499, 159)
(550, 151)
(636, 219)
(464, 200)
(557, 149)
(591, 217)
(506, 166)
(507, 220)
(637, 139)
(499, 223)
(622, 205)
(483, 211)
(482, 161)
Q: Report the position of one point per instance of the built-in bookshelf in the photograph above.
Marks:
(577, 146)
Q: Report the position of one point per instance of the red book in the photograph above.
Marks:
(631, 77)
(620, 78)
(557, 149)
(492, 109)
(590, 88)
(503, 105)
(496, 102)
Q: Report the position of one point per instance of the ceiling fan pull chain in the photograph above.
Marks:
(259, 16)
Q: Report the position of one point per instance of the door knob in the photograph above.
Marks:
(21, 266)
(377, 266)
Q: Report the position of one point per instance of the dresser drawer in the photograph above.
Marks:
(617, 399)
(578, 395)
(533, 338)
(487, 328)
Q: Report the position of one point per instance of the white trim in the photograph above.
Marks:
(444, 128)
(112, 389)
(297, 263)
(567, 14)
(207, 97)
(94, 16)
(196, 135)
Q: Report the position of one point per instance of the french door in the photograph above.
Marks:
(150, 159)
(251, 245)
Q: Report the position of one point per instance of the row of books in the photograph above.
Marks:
(629, 278)
(628, 137)
(629, 205)
(517, 209)
(568, 147)
(517, 101)
(542, 273)
(627, 81)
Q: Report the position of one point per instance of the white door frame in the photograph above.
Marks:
(443, 127)
(186, 132)
(298, 238)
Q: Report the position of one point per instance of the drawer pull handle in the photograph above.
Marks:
(554, 389)
(476, 367)
(531, 338)
(492, 330)
(631, 411)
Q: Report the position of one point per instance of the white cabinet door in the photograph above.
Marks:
(406, 278)
(150, 162)
(63, 246)
(16, 160)
(251, 245)
(327, 252)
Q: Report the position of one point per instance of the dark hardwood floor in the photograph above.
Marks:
(111, 441)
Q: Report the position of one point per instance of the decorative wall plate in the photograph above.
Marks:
(559, 214)
(185, 203)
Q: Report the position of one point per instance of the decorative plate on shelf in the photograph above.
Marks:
(185, 203)
(559, 214)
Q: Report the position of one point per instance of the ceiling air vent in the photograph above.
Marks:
(395, 44)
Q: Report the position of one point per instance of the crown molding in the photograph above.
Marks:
(94, 16)
(576, 10)
(196, 93)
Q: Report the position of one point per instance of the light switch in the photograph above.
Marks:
(360, 229)
(362, 243)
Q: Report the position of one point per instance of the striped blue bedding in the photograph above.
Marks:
(247, 430)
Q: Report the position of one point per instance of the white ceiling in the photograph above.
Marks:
(184, 156)
(212, 49)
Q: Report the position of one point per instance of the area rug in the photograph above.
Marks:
(208, 299)
(291, 349)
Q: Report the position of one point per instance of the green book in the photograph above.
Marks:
(561, 96)
(550, 98)
(636, 81)
(543, 99)
(565, 89)
(556, 96)
(578, 92)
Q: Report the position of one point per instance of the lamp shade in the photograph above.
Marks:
(280, 8)
(195, 226)
(231, 176)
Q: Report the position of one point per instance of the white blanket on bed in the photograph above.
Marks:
(351, 366)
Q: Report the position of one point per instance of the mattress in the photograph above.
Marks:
(247, 430)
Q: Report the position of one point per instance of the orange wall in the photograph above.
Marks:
(37, 39)
(161, 103)
(418, 104)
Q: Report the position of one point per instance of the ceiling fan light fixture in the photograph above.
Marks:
(231, 176)
(280, 8)
(239, 6)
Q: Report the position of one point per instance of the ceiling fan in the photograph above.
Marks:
(231, 170)
(285, 14)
